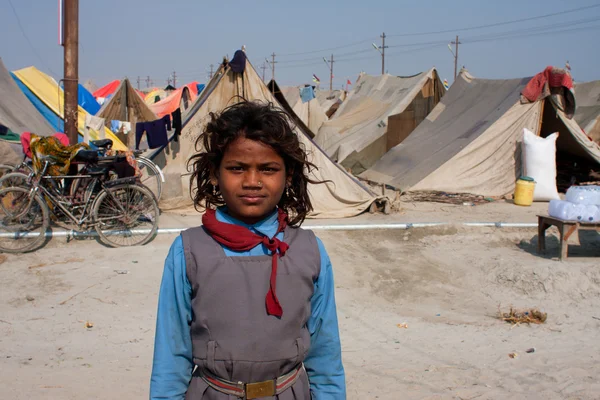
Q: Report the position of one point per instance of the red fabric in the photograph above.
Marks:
(238, 238)
(25, 142)
(551, 77)
(63, 139)
(193, 86)
(107, 90)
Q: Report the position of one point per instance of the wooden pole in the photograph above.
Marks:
(71, 68)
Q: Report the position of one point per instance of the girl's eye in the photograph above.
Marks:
(235, 169)
(270, 170)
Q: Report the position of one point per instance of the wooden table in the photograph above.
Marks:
(565, 228)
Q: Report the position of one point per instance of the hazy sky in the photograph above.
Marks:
(134, 38)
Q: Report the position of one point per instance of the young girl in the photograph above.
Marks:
(247, 307)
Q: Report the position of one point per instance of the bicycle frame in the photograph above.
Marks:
(59, 200)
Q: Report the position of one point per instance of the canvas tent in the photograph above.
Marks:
(48, 98)
(330, 101)
(470, 142)
(587, 114)
(310, 113)
(16, 112)
(278, 93)
(343, 196)
(90, 86)
(380, 112)
(19, 115)
(126, 105)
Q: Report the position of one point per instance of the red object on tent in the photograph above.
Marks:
(348, 82)
(107, 90)
(536, 87)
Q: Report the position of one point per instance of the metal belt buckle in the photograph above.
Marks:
(260, 389)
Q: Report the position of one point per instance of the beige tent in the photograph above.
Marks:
(330, 100)
(91, 86)
(587, 114)
(19, 115)
(343, 196)
(470, 142)
(310, 113)
(278, 93)
(126, 105)
(380, 112)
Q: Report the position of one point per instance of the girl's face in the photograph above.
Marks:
(252, 178)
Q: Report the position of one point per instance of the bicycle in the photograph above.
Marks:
(152, 176)
(122, 211)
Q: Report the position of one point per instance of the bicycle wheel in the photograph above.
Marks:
(151, 176)
(14, 179)
(126, 215)
(6, 169)
(23, 220)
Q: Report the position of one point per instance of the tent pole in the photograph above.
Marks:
(541, 119)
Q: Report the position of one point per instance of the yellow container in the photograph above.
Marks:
(524, 191)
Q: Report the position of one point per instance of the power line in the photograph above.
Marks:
(27, 38)
(499, 23)
(327, 49)
(570, 11)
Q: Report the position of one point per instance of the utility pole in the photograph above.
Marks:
(138, 82)
(273, 62)
(168, 81)
(211, 71)
(383, 47)
(174, 79)
(71, 68)
(456, 57)
(330, 65)
(148, 82)
(263, 67)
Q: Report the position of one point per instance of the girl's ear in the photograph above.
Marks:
(213, 177)
(288, 180)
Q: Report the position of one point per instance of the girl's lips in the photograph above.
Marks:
(252, 198)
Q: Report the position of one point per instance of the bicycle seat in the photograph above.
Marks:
(87, 156)
(102, 143)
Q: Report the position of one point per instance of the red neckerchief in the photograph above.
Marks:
(239, 238)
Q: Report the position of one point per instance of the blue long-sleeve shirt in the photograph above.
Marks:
(173, 365)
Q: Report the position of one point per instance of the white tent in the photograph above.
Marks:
(343, 196)
(470, 142)
(379, 113)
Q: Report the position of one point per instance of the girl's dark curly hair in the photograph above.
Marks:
(255, 121)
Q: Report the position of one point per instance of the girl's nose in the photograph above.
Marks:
(252, 180)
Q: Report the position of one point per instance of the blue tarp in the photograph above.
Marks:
(57, 123)
(87, 101)
(200, 87)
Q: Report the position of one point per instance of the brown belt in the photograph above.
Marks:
(255, 390)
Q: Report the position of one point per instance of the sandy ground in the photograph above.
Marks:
(445, 283)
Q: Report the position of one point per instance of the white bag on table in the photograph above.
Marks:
(539, 163)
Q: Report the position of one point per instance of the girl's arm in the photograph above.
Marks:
(324, 360)
(172, 366)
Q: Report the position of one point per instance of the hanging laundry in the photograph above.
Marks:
(94, 123)
(156, 132)
(176, 124)
(307, 94)
(238, 64)
(120, 127)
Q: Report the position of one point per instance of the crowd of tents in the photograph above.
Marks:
(407, 132)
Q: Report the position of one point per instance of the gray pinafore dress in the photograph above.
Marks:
(233, 338)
